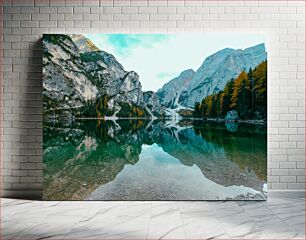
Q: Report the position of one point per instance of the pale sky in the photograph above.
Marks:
(158, 58)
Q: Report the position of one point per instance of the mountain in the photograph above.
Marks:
(66, 83)
(211, 77)
(153, 105)
(83, 44)
(76, 73)
(173, 90)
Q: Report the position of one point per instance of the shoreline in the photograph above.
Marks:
(111, 118)
(250, 121)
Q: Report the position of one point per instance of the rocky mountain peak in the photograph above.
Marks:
(83, 43)
(187, 73)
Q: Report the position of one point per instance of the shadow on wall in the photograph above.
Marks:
(30, 152)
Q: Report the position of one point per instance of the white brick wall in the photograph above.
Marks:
(24, 22)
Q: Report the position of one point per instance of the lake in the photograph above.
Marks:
(140, 159)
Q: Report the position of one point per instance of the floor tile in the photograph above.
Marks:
(272, 219)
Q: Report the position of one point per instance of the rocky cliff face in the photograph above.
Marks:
(153, 104)
(175, 89)
(76, 71)
(212, 75)
(65, 82)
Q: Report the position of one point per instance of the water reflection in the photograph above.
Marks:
(145, 160)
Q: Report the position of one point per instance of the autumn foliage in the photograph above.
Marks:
(247, 94)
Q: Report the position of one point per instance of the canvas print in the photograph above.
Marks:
(155, 116)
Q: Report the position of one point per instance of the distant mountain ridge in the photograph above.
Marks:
(211, 77)
(170, 93)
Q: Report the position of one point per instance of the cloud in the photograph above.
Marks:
(166, 75)
(124, 44)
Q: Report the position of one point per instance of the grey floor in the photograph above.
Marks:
(272, 219)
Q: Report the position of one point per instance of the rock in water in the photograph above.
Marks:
(232, 116)
(231, 127)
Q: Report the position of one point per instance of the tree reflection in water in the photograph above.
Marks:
(87, 154)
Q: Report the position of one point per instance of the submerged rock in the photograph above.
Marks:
(231, 127)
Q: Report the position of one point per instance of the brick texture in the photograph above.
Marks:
(24, 22)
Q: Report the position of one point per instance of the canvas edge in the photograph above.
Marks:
(37, 194)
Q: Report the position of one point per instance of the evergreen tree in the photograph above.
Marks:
(250, 77)
(247, 94)
(241, 95)
(226, 96)
(102, 106)
(260, 87)
(209, 104)
(197, 110)
(218, 103)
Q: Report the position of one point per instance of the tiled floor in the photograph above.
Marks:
(273, 219)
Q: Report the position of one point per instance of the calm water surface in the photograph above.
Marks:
(154, 160)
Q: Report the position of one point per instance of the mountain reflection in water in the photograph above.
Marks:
(157, 160)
